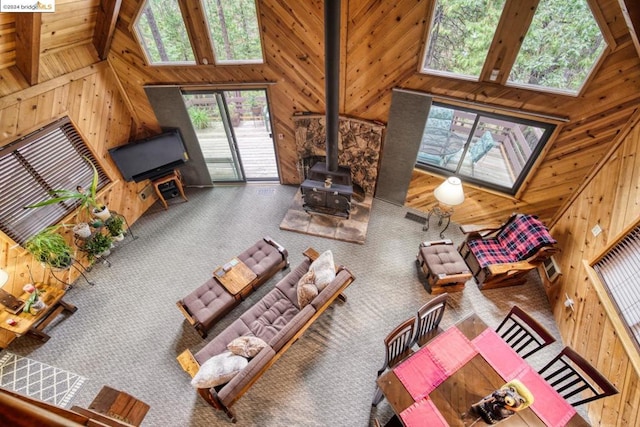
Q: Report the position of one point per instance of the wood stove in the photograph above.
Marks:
(327, 188)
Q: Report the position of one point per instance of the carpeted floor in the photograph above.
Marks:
(127, 331)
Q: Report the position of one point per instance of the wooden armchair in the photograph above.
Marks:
(502, 255)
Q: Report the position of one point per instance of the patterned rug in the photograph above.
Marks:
(38, 380)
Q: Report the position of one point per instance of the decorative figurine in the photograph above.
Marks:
(504, 402)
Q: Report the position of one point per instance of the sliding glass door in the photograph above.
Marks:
(234, 133)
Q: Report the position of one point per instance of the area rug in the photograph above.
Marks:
(38, 380)
(352, 229)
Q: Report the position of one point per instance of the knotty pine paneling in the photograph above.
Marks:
(612, 199)
(91, 98)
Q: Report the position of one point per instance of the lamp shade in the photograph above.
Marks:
(450, 192)
(4, 277)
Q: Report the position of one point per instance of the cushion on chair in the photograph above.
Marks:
(443, 260)
(260, 257)
(219, 370)
(207, 301)
(219, 344)
(520, 239)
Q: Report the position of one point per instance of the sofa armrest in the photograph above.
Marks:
(278, 246)
(509, 268)
(239, 384)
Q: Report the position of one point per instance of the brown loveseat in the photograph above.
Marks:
(211, 301)
(276, 319)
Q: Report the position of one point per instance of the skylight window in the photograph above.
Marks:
(561, 47)
(460, 36)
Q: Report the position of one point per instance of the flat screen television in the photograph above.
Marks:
(150, 158)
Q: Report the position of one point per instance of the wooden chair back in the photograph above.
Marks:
(428, 319)
(398, 344)
(523, 333)
(576, 379)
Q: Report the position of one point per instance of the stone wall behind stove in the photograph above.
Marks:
(359, 145)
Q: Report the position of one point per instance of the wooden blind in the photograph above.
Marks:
(619, 270)
(48, 159)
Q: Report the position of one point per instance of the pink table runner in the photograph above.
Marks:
(425, 370)
(423, 413)
(552, 408)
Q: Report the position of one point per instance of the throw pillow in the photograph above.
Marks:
(324, 269)
(246, 346)
(219, 370)
(306, 289)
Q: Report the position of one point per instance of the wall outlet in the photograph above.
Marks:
(146, 192)
(596, 230)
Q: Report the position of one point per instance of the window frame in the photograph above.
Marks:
(550, 126)
(18, 223)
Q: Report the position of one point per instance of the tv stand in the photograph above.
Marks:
(171, 176)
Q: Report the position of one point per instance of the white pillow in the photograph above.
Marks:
(246, 346)
(218, 370)
(324, 269)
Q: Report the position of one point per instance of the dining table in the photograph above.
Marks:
(438, 384)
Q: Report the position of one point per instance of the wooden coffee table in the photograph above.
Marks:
(236, 277)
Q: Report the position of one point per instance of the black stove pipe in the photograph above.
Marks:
(332, 79)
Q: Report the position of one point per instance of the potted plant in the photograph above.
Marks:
(98, 245)
(115, 225)
(87, 198)
(50, 248)
(34, 303)
(82, 230)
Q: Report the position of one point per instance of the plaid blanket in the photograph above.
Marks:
(518, 240)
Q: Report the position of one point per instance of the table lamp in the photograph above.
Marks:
(448, 194)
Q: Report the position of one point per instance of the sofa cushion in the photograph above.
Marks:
(219, 370)
(331, 289)
(207, 301)
(269, 315)
(289, 283)
(290, 329)
(261, 257)
(324, 269)
(219, 344)
(246, 346)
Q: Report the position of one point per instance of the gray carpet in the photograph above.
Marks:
(127, 331)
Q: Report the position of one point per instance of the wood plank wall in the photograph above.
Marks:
(90, 96)
(610, 198)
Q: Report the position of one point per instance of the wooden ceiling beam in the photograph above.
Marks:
(631, 13)
(198, 30)
(28, 45)
(106, 18)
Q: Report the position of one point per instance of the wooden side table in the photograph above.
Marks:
(175, 177)
(119, 405)
(237, 278)
(27, 323)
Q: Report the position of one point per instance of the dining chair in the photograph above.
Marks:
(428, 319)
(523, 333)
(576, 379)
(397, 346)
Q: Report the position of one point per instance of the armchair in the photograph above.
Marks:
(501, 256)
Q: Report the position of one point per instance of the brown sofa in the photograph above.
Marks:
(278, 320)
(211, 301)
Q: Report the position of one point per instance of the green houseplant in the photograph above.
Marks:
(50, 248)
(115, 225)
(99, 244)
(87, 198)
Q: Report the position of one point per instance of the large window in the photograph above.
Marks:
(51, 158)
(460, 36)
(619, 270)
(234, 31)
(162, 33)
(563, 43)
(233, 28)
(492, 150)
